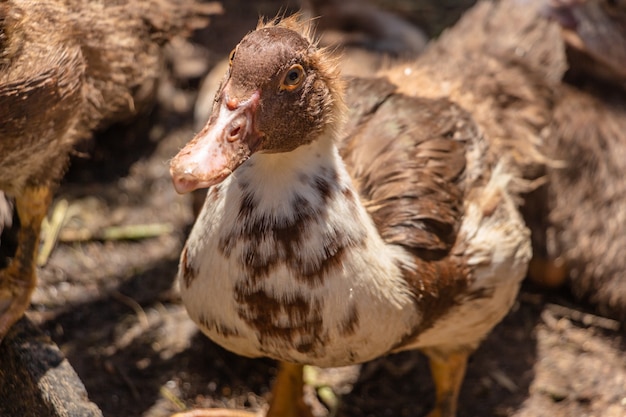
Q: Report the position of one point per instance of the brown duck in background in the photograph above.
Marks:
(579, 233)
(67, 68)
(333, 244)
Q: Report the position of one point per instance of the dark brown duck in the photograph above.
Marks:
(68, 67)
(579, 236)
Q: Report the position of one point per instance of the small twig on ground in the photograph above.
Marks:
(128, 232)
(504, 381)
(126, 300)
(171, 397)
(50, 230)
(587, 319)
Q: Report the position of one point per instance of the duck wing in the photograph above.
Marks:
(407, 158)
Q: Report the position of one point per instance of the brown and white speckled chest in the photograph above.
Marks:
(285, 263)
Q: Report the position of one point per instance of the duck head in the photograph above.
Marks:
(280, 92)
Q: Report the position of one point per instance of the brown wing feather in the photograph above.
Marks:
(407, 156)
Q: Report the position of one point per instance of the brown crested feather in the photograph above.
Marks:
(296, 22)
(407, 157)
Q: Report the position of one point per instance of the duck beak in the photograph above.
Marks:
(226, 141)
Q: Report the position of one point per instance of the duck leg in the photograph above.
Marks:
(18, 279)
(286, 399)
(448, 371)
(547, 272)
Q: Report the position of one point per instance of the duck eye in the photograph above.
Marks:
(293, 78)
(231, 56)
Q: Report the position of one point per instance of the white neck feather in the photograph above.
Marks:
(275, 177)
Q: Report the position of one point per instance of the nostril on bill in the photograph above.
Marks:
(234, 134)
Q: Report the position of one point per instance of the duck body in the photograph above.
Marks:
(580, 232)
(585, 198)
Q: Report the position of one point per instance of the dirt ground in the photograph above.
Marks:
(113, 308)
